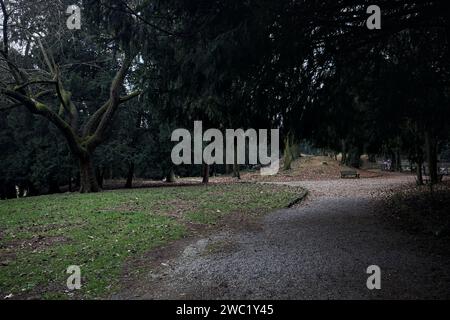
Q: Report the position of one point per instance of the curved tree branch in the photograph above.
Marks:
(115, 101)
(39, 108)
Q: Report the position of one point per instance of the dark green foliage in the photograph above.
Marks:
(310, 68)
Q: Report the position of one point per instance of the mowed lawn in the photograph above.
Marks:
(41, 236)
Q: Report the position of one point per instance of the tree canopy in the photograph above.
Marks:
(79, 105)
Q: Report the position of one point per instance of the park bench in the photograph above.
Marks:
(345, 174)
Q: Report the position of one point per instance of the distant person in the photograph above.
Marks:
(389, 164)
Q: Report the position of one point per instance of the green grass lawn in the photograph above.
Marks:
(41, 236)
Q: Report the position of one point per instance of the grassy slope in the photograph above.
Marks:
(40, 237)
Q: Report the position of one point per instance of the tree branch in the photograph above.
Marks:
(65, 99)
(29, 83)
(95, 119)
(5, 50)
(130, 96)
(115, 101)
(47, 60)
(39, 108)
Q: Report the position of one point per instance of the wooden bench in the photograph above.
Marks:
(352, 174)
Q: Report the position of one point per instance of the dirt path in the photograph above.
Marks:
(318, 250)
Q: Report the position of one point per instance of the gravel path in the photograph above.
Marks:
(318, 250)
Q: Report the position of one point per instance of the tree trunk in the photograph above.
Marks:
(205, 173)
(130, 174)
(236, 167)
(70, 181)
(399, 161)
(393, 161)
(100, 174)
(170, 178)
(419, 173)
(88, 180)
(354, 158)
(53, 186)
(2, 190)
(288, 155)
(431, 150)
(236, 173)
(344, 152)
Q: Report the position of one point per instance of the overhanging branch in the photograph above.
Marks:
(130, 96)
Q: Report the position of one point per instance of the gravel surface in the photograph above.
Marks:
(317, 250)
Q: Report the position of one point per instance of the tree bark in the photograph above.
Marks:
(354, 158)
(170, 178)
(88, 180)
(236, 173)
(344, 152)
(205, 173)
(288, 158)
(393, 161)
(399, 161)
(53, 186)
(129, 183)
(431, 151)
(236, 167)
(419, 173)
(100, 174)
